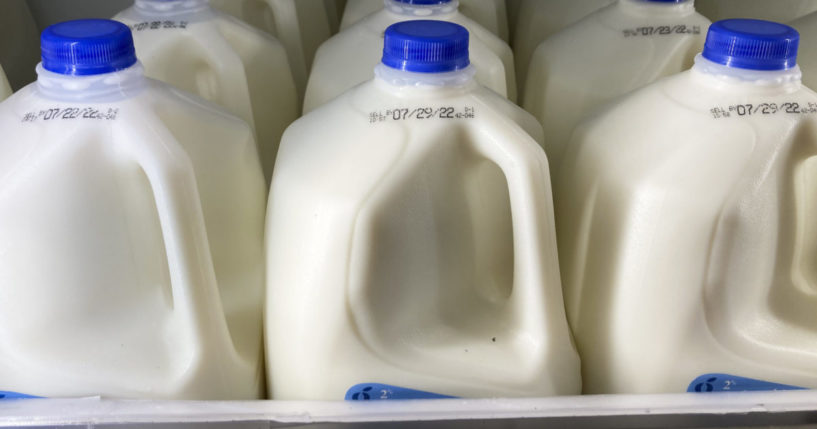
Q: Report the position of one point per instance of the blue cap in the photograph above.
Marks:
(752, 44)
(423, 2)
(87, 47)
(426, 46)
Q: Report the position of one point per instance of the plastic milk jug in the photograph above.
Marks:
(609, 53)
(538, 19)
(780, 10)
(131, 223)
(301, 25)
(807, 56)
(348, 58)
(414, 250)
(490, 14)
(191, 46)
(5, 89)
(686, 225)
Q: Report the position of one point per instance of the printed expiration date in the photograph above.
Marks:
(421, 113)
(159, 25)
(763, 109)
(662, 30)
(68, 113)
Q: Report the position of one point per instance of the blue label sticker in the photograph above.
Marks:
(732, 383)
(378, 392)
(14, 395)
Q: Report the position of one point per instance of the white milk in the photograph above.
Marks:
(412, 242)
(686, 228)
(490, 14)
(5, 89)
(348, 58)
(538, 19)
(301, 25)
(777, 10)
(607, 54)
(213, 55)
(131, 223)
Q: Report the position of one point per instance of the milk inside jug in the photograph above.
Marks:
(490, 14)
(783, 11)
(686, 229)
(609, 53)
(191, 46)
(131, 223)
(348, 58)
(537, 19)
(411, 248)
(301, 25)
(5, 89)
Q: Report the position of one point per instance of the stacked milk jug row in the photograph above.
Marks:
(410, 246)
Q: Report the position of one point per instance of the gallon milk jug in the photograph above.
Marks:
(131, 223)
(5, 89)
(490, 14)
(777, 10)
(686, 225)
(348, 58)
(412, 249)
(301, 25)
(609, 53)
(538, 19)
(190, 46)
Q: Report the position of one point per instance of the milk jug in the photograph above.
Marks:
(5, 89)
(780, 10)
(490, 14)
(411, 249)
(347, 59)
(686, 225)
(301, 25)
(538, 19)
(131, 222)
(609, 53)
(190, 46)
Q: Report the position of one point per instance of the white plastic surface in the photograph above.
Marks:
(349, 57)
(301, 25)
(490, 14)
(609, 53)
(775, 10)
(747, 409)
(5, 89)
(537, 20)
(131, 223)
(221, 59)
(415, 250)
(686, 234)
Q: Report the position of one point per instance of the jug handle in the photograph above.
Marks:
(194, 287)
(536, 264)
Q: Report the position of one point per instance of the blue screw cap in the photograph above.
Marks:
(752, 44)
(87, 47)
(425, 46)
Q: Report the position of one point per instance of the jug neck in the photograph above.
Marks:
(746, 80)
(171, 7)
(104, 87)
(408, 10)
(424, 84)
(656, 9)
